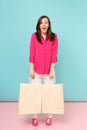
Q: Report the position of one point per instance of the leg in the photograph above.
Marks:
(47, 80)
(36, 80)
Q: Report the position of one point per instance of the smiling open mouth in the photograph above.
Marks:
(43, 28)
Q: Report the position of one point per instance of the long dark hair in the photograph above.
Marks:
(50, 34)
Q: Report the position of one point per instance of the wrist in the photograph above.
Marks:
(32, 66)
(52, 67)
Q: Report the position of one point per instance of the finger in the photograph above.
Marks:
(32, 76)
(51, 77)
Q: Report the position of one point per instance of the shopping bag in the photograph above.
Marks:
(37, 98)
(53, 99)
(29, 98)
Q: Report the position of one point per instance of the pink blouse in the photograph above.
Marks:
(42, 55)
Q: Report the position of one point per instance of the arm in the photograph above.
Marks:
(54, 50)
(32, 57)
(32, 73)
(51, 74)
(54, 57)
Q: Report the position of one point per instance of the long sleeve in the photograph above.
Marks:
(32, 50)
(55, 50)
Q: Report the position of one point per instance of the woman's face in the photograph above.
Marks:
(44, 25)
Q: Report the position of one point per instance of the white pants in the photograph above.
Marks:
(39, 79)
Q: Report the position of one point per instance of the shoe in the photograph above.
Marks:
(49, 122)
(35, 122)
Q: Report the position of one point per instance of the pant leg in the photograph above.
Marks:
(36, 80)
(47, 80)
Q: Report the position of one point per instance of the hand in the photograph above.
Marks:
(32, 74)
(51, 75)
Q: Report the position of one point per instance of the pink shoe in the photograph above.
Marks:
(35, 122)
(49, 122)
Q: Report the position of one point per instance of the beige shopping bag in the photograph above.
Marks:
(29, 98)
(53, 99)
(37, 98)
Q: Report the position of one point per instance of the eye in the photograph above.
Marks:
(46, 22)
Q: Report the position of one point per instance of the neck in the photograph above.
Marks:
(44, 35)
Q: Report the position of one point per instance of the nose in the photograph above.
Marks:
(43, 23)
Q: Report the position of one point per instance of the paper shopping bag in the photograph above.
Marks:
(29, 98)
(52, 99)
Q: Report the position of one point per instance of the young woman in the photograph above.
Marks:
(43, 56)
